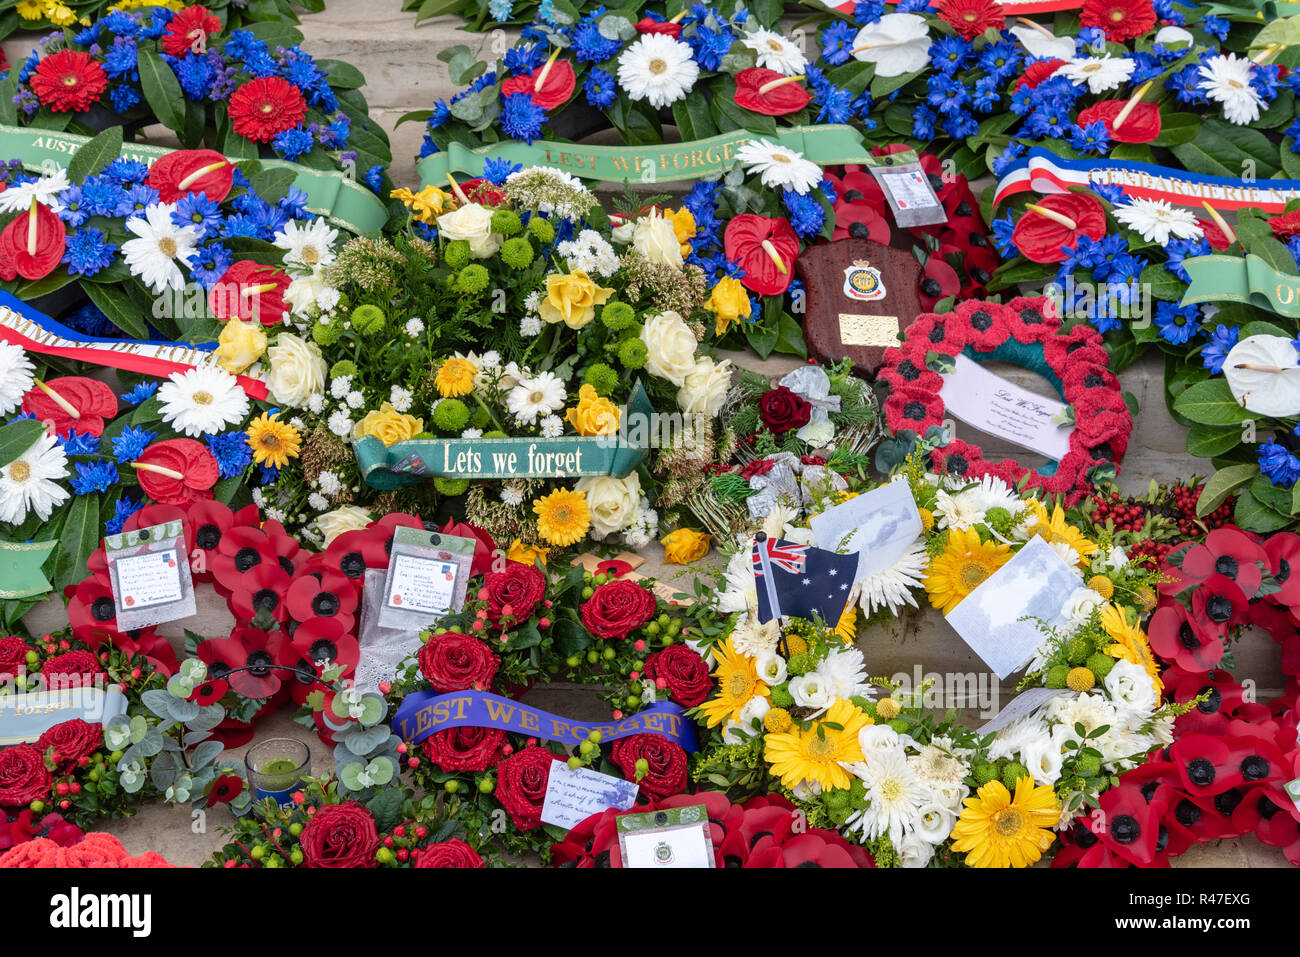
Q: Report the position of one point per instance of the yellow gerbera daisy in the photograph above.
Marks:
(1054, 529)
(736, 682)
(273, 442)
(1130, 642)
(964, 563)
(526, 554)
(815, 754)
(563, 517)
(847, 627)
(997, 830)
(455, 378)
(31, 9)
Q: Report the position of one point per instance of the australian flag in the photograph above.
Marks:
(801, 581)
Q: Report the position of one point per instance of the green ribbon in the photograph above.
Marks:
(828, 144)
(330, 193)
(1234, 279)
(20, 568)
(406, 463)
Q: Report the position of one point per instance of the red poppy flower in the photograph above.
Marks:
(261, 589)
(1223, 697)
(239, 551)
(1044, 239)
(555, 89)
(613, 567)
(154, 514)
(913, 409)
(254, 650)
(970, 18)
(265, 106)
(1120, 20)
(324, 642)
(1128, 825)
(766, 248)
(860, 220)
(72, 403)
(938, 281)
(1226, 551)
(32, 244)
(210, 692)
(1142, 124)
(249, 290)
(1175, 636)
(177, 174)
(204, 526)
(327, 593)
(91, 608)
(1281, 828)
(647, 25)
(986, 322)
(177, 471)
(225, 788)
(189, 26)
(69, 81)
(149, 645)
(769, 92)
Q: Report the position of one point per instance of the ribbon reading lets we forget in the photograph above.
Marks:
(424, 712)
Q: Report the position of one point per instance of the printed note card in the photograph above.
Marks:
(572, 796)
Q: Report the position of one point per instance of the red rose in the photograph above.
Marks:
(667, 763)
(70, 740)
(13, 655)
(23, 775)
(453, 853)
(464, 748)
(72, 669)
(781, 410)
(520, 587)
(455, 662)
(340, 835)
(617, 608)
(684, 674)
(521, 785)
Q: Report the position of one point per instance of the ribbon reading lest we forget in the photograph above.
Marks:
(1234, 279)
(1042, 171)
(425, 712)
(330, 193)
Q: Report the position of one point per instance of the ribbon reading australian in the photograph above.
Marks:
(425, 712)
(1042, 171)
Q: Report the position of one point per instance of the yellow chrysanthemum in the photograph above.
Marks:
(31, 9)
(526, 554)
(998, 830)
(455, 378)
(273, 442)
(735, 683)
(1130, 642)
(1054, 529)
(815, 754)
(563, 517)
(426, 205)
(964, 563)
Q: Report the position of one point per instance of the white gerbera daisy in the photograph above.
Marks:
(658, 69)
(775, 52)
(779, 167)
(159, 245)
(739, 591)
(16, 375)
(894, 795)
(43, 189)
(311, 245)
(1156, 220)
(202, 401)
(892, 587)
(962, 509)
(935, 765)
(536, 397)
(753, 638)
(1100, 73)
(1226, 80)
(29, 482)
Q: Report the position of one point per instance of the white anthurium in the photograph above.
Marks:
(1174, 37)
(1263, 375)
(1041, 43)
(898, 43)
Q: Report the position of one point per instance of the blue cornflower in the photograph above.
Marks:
(837, 43)
(120, 59)
(1264, 80)
(1050, 119)
(1082, 256)
(1012, 152)
(268, 474)
(1177, 250)
(600, 88)
(101, 197)
(70, 208)
(806, 214)
(950, 54)
(1002, 231)
(1278, 464)
(75, 443)
(293, 204)
(121, 23)
(232, 452)
(960, 125)
(501, 10)
(374, 178)
(521, 118)
(589, 44)
(195, 209)
(1185, 85)
(125, 171)
(94, 477)
(87, 252)
(987, 94)
(124, 96)
(88, 320)
(1103, 320)
(1092, 138)
(440, 114)
(923, 122)
(131, 442)
(137, 199)
(1090, 39)
(123, 509)
(140, 393)
(1000, 60)
(496, 169)
(292, 144)
(195, 73)
(1215, 351)
(1216, 27)
(335, 135)
(710, 45)
(523, 59)
(210, 264)
(1107, 253)
(868, 11)
(1109, 192)
(1177, 324)
(835, 104)
(945, 94)
(1145, 67)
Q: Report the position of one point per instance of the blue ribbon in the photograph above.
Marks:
(52, 325)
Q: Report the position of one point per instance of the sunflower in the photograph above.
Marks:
(455, 378)
(1130, 642)
(273, 442)
(737, 682)
(562, 517)
(964, 563)
(998, 830)
(1056, 531)
(815, 754)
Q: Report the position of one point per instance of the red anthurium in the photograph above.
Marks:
(647, 25)
(1141, 124)
(327, 593)
(33, 244)
(177, 471)
(178, 174)
(766, 247)
(550, 85)
(261, 589)
(769, 92)
(1175, 636)
(188, 31)
(225, 788)
(72, 403)
(249, 290)
(1215, 235)
(1055, 222)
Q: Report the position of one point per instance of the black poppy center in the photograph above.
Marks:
(1211, 704)
(322, 649)
(1254, 768)
(1094, 381)
(208, 537)
(1227, 566)
(1084, 837)
(981, 320)
(259, 663)
(859, 231)
(908, 370)
(352, 565)
(325, 604)
(1227, 802)
(1266, 808)
(1200, 772)
(1149, 790)
(957, 464)
(1162, 839)
(1103, 452)
(246, 558)
(1283, 571)
(1031, 317)
(1218, 609)
(303, 672)
(931, 287)
(101, 609)
(266, 599)
(1125, 828)
(1188, 638)
(937, 334)
(218, 670)
(914, 411)
(286, 566)
(1187, 813)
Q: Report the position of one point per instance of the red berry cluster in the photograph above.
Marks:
(1176, 521)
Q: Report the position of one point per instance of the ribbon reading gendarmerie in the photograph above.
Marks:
(1042, 171)
(828, 144)
(331, 194)
(571, 456)
(424, 712)
(36, 332)
(1249, 280)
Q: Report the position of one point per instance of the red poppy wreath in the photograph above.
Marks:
(1026, 332)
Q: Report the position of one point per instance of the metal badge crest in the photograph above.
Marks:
(862, 282)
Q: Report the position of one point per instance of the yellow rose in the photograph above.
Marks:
(683, 228)
(593, 415)
(240, 345)
(683, 546)
(388, 425)
(572, 299)
(526, 554)
(729, 302)
(424, 205)
(346, 518)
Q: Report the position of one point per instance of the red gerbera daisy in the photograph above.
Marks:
(189, 25)
(970, 18)
(1120, 20)
(69, 81)
(263, 107)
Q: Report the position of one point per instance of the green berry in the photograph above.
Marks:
(588, 592)
(601, 377)
(258, 852)
(473, 279)
(632, 353)
(984, 773)
(486, 786)
(456, 255)
(451, 415)
(494, 434)
(517, 253)
(608, 654)
(506, 222)
(1100, 664)
(326, 333)
(1056, 675)
(592, 657)
(296, 856)
(1012, 773)
(32, 657)
(384, 856)
(368, 320)
(452, 786)
(541, 229)
(451, 487)
(1077, 650)
(633, 700)
(586, 749)
(617, 316)
(573, 661)
(594, 737)
(575, 763)
(295, 828)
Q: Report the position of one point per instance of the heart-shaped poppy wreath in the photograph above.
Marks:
(1026, 332)
(1227, 771)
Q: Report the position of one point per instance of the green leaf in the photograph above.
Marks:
(1222, 149)
(342, 76)
(1222, 484)
(1208, 442)
(95, 155)
(79, 538)
(1209, 403)
(17, 437)
(161, 90)
(118, 307)
(1252, 514)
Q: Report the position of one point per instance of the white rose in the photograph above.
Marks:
(705, 387)
(770, 667)
(613, 502)
(304, 291)
(913, 850)
(472, 223)
(297, 370)
(344, 519)
(934, 823)
(655, 238)
(1131, 688)
(755, 709)
(810, 691)
(1078, 608)
(622, 233)
(1042, 757)
(670, 347)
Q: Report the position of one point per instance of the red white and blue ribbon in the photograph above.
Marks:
(1009, 7)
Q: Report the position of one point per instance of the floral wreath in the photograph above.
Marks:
(1027, 332)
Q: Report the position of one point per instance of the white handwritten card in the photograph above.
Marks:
(421, 584)
(879, 525)
(910, 189)
(990, 403)
(572, 795)
(149, 578)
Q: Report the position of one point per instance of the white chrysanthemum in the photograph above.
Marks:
(657, 68)
(400, 398)
(1157, 221)
(340, 423)
(316, 403)
(935, 765)
(329, 482)
(893, 587)
(159, 245)
(29, 483)
(779, 167)
(472, 434)
(326, 300)
(551, 427)
(894, 795)
(414, 326)
(754, 639)
(16, 375)
(318, 502)
(44, 189)
(512, 494)
(355, 399)
(530, 326)
(844, 672)
(775, 52)
(1017, 735)
(963, 509)
(536, 397)
(591, 253)
(202, 401)
(340, 386)
(1225, 79)
(1090, 710)
(1098, 73)
(739, 591)
(309, 245)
